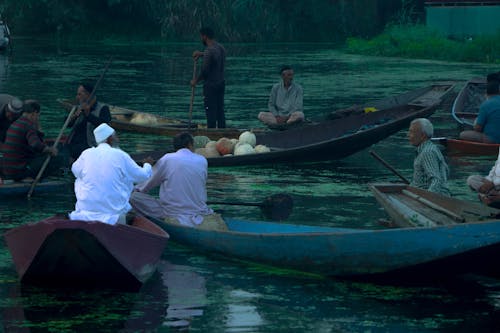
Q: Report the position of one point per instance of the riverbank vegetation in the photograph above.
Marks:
(419, 41)
(180, 20)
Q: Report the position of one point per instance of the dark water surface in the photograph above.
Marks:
(194, 292)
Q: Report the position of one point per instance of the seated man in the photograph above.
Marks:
(105, 177)
(10, 109)
(487, 124)
(24, 151)
(488, 187)
(430, 171)
(87, 117)
(285, 102)
(182, 178)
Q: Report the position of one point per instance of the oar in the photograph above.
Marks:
(47, 160)
(388, 166)
(73, 110)
(276, 207)
(192, 96)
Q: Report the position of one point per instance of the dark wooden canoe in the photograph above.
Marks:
(58, 251)
(413, 207)
(344, 136)
(466, 105)
(351, 132)
(416, 253)
(142, 122)
(463, 147)
(11, 188)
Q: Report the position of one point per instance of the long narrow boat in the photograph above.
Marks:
(415, 253)
(124, 119)
(11, 188)
(61, 252)
(351, 132)
(346, 135)
(464, 147)
(466, 105)
(413, 207)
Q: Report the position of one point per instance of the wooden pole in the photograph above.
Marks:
(388, 166)
(61, 132)
(192, 96)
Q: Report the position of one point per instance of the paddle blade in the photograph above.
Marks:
(277, 207)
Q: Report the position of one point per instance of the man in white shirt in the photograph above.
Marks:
(487, 187)
(105, 177)
(182, 177)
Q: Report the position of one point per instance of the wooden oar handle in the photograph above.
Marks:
(388, 166)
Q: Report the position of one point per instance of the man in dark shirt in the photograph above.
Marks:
(212, 73)
(24, 151)
(87, 117)
(10, 109)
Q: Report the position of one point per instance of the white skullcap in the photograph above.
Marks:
(102, 132)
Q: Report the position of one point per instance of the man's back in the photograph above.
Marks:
(489, 117)
(104, 181)
(183, 187)
(213, 64)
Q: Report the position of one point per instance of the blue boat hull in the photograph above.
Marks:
(346, 252)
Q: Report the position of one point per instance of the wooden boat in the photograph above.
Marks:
(11, 188)
(61, 252)
(416, 253)
(466, 105)
(142, 122)
(413, 207)
(352, 132)
(464, 147)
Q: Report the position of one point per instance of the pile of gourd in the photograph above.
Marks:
(244, 145)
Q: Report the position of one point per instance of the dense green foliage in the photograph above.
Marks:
(419, 41)
(234, 20)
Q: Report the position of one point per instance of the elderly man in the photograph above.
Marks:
(182, 178)
(430, 171)
(285, 102)
(10, 109)
(105, 177)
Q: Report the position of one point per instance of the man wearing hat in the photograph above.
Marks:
(24, 151)
(105, 177)
(10, 109)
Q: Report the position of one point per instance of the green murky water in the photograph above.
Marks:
(211, 294)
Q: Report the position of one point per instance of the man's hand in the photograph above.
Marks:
(486, 187)
(149, 160)
(197, 55)
(51, 150)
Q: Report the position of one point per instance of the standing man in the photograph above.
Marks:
(10, 109)
(88, 116)
(285, 101)
(24, 151)
(430, 171)
(182, 177)
(487, 124)
(212, 73)
(105, 177)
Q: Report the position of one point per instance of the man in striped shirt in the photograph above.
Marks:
(24, 152)
(430, 171)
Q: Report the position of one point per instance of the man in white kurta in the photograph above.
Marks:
(182, 178)
(105, 178)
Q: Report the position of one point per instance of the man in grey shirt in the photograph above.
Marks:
(285, 102)
(212, 73)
